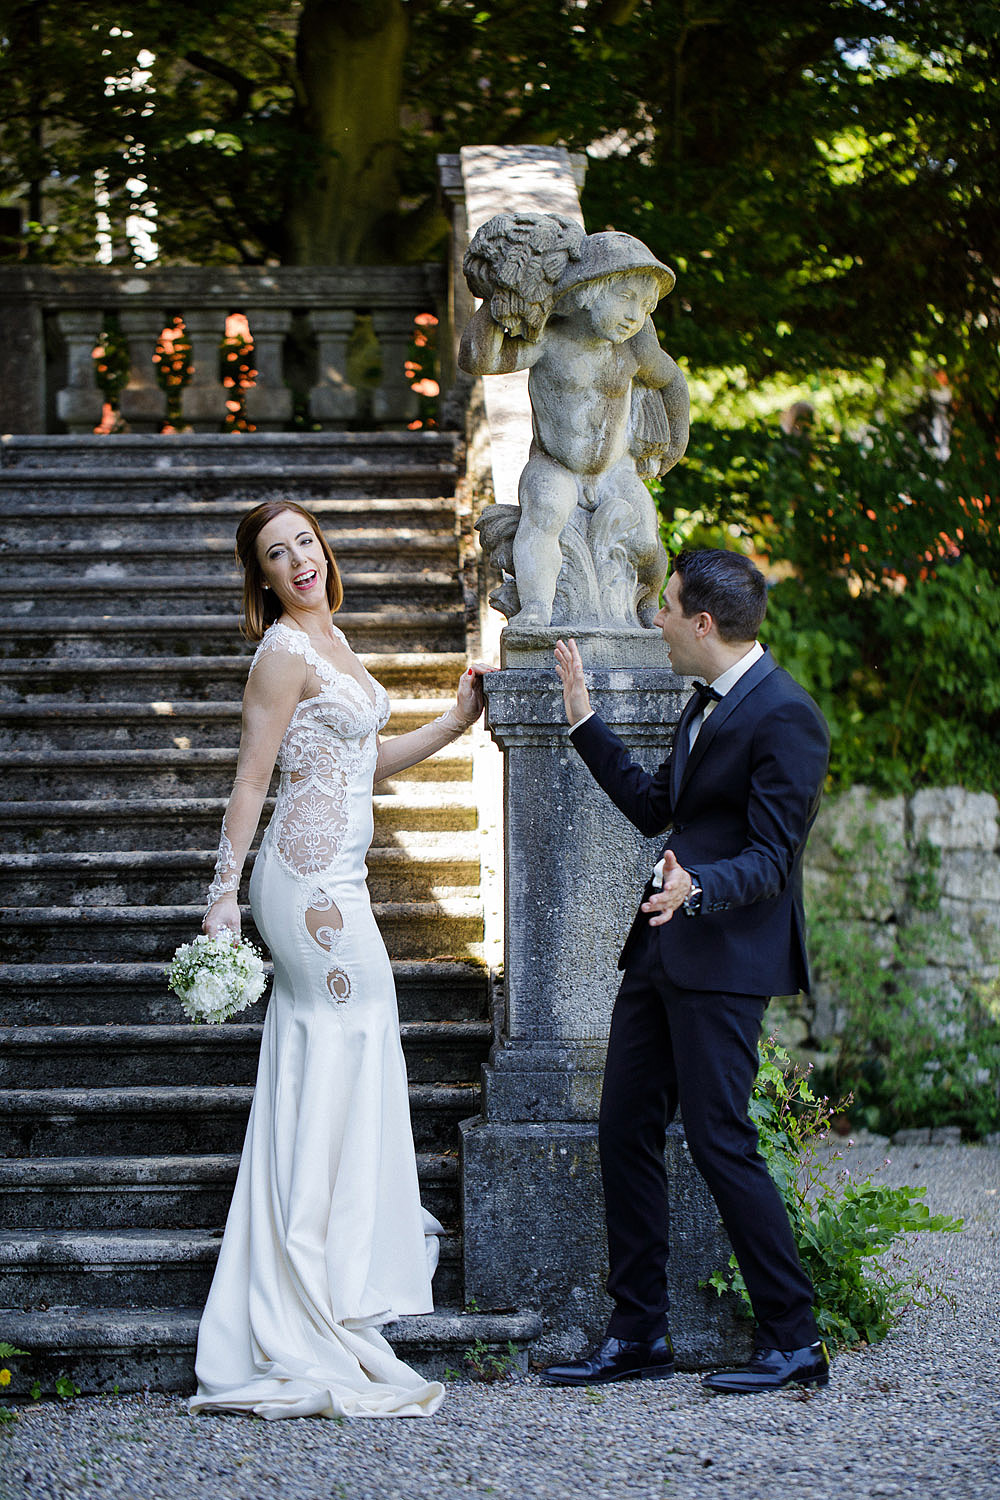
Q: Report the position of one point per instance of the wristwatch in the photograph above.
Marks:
(691, 905)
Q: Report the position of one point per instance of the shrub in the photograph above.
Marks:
(843, 1229)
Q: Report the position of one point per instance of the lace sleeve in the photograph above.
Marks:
(405, 750)
(227, 871)
(274, 686)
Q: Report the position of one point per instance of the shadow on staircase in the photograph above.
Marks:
(120, 685)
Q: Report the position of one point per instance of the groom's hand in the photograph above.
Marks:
(569, 668)
(676, 888)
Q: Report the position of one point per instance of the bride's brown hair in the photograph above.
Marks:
(260, 607)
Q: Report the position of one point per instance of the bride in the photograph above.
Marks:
(326, 1238)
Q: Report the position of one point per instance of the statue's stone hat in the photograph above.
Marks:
(611, 253)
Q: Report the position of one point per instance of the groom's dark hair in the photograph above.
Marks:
(727, 586)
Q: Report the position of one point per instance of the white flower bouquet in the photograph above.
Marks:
(215, 977)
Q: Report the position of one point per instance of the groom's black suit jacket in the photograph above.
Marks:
(738, 812)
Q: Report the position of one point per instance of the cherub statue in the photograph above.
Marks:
(608, 407)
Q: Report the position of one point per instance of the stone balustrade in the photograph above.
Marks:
(302, 320)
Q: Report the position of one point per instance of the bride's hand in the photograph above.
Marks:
(222, 913)
(470, 702)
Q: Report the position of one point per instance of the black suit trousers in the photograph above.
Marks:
(694, 1050)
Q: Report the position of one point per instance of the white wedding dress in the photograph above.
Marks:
(326, 1238)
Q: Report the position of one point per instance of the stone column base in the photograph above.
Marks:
(534, 1237)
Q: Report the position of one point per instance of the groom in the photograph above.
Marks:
(720, 929)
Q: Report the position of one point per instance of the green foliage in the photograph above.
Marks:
(914, 1049)
(822, 177)
(821, 235)
(888, 608)
(485, 1366)
(843, 1229)
(7, 1351)
(66, 1389)
(907, 680)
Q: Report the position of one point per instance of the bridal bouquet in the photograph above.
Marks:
(214, 978)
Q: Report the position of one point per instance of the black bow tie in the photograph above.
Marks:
(703, 695)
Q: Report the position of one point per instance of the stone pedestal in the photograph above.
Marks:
(533, 1206)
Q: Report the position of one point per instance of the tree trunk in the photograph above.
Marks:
(350, 63)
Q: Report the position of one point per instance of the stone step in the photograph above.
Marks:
(367, 511)
(51, 994)
(179, 450)
(45, 1268)
(160, 1192)
(377, 548)
(176, 1121)
(45, 1057)
(190, 678)
(451, 925)
(368, 514)
(150, 726)
(44, 775)
(70, 636)
(194, 822)
(104, 1349)
(96, 1056)
(240, 486)
(203, 593)
(416, 868)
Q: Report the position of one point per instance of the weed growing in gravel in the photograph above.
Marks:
(844, 1228)
(483, 1365)
(8, 1351)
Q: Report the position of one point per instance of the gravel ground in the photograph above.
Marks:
(916, 1416)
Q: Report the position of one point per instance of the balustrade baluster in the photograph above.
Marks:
(394, 401)
(79, 404)
(268, 401)
(143, 402)
(332, 398)
(203, 399)
(352, 320)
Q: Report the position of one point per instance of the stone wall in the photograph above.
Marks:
(916, 882)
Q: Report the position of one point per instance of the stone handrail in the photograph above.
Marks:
(52, 319)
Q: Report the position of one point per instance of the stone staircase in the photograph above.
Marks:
(120, 684)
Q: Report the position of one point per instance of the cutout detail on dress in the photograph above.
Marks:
(325, 926)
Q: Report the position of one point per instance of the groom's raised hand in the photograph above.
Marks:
(569, 668)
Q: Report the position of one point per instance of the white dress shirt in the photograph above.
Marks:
(722, 684)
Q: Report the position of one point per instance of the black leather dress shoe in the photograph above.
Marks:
(616, 1359)
(770, 1369)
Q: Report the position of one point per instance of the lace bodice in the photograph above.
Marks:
(329, 746)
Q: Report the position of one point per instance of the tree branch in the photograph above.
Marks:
(243, 86)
